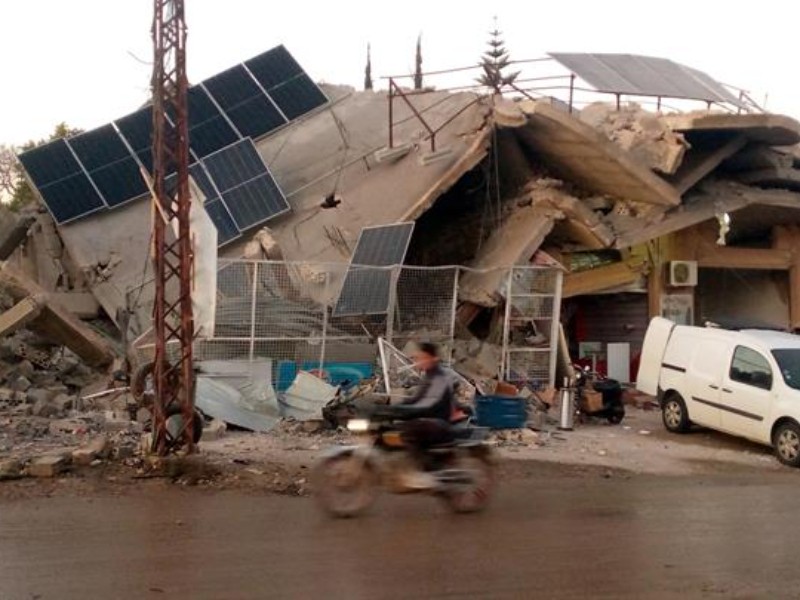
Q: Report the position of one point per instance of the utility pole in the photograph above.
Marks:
(173, 323)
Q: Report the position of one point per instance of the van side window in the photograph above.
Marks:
(751, 368)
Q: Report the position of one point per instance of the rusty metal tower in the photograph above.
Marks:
(173, 323)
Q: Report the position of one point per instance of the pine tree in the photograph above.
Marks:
(494, 61)
(368, 70)
(418, 68)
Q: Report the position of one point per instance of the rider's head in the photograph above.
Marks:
(427, 356)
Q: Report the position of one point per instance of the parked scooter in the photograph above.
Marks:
(347, 479)
(611, 390)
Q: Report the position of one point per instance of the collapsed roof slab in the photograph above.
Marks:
(333, 152)
(712, 199)
(583, 155)
(600, 279)
(772, 177)
(513, 243)
(770, 129)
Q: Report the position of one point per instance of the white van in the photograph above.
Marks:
(746, 383)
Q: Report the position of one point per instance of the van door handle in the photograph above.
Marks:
(713, 387)
(727, 391)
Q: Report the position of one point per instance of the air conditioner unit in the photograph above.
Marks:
(683, 273)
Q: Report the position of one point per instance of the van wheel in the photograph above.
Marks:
(787, 443)
(674, 414)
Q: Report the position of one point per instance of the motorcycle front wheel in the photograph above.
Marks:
(345, 485)
(473, 496)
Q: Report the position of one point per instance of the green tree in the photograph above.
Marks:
(418, 65)
(368, 70)
(13, 183)
(494, 61)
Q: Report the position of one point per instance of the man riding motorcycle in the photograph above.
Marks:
(428, 414)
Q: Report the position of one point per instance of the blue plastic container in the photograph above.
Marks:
(500, 412)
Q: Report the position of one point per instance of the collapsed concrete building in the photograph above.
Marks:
(692, 214)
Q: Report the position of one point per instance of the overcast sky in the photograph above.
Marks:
(86, 61)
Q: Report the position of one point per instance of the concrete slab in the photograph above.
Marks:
(771, 129)
(772, 177)
(514, 242)
(583, 155)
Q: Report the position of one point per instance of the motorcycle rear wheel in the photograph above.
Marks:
(475, 496)
(346, 485)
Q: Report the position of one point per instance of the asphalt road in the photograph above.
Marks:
(548, 535)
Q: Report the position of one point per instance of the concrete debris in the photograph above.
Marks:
(49, 466)
(643, 134)
(214, 430)
(98, 448)
(306, 397)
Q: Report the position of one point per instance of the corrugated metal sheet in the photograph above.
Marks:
(644, 76)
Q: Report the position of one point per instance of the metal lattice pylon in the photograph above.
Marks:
(173, 324)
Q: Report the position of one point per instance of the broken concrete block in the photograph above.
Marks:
(7, 395)
(10, 469)
(44, 409)
(124, 451)
(21, 384)
(143, 416)
(49, 465)
(125, 424)
(39, 395)
(63, 402)
(214, 430)
(26, 369)
(72, 426)
(88, 453)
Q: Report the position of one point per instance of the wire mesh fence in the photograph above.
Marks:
(301, 316)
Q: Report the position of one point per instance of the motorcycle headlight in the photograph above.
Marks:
(358, 425)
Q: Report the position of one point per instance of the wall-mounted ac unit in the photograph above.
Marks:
(683, 273)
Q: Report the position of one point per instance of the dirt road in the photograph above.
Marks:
(553, 532)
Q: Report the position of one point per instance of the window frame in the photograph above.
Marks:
(749, 382)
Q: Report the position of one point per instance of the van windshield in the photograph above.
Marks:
(789, 363)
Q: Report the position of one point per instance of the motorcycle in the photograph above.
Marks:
(613, 408)
(346, 480)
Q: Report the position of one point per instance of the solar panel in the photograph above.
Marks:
(247, 187)
(226, 228)
(366, 289)
(202, 180)
(234, 165)
(62, 183)
(208, 129)
(50, 162)
(71, 198)
(644, 76)
(110, 164)
(246, 105)
(273, 67)
(137, 129)
(298, 96)
(255, 202)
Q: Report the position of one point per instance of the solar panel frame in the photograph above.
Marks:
(255, 202)
(273, 67)
(72, 198)
(227, 231)
(366, 289)
(244, 102)
(234, 164)
(637, 75)
(209, 128)
(110, 164)
(50, 162)
(137, 129)
(298, 96)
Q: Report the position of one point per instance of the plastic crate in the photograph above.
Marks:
(500, 412)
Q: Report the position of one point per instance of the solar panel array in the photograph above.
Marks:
(366, 288)
(100, 169)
